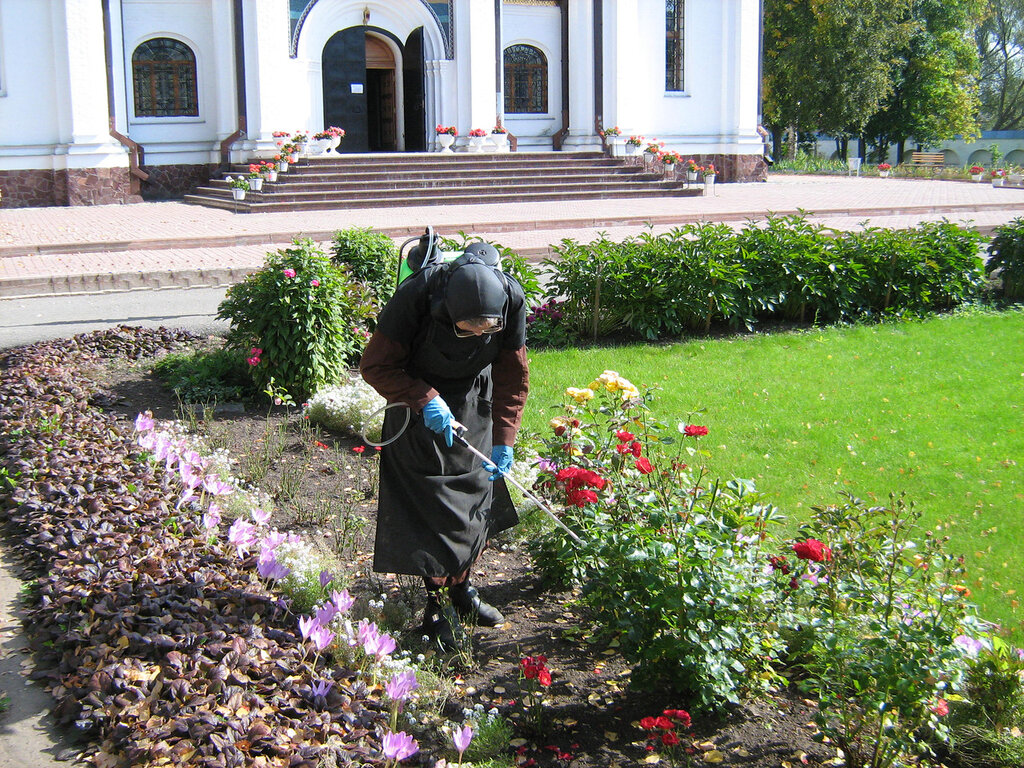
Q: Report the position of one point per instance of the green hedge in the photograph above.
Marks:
(785, 268)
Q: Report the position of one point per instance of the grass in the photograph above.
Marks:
(934, 408)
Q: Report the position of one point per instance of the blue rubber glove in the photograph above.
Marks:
(437, 417)
(500, 463)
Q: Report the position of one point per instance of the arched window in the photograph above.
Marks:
(164, 78)
(526, 80)
(675, 11)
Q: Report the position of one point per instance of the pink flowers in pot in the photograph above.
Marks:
(449, 129)
(478, 132)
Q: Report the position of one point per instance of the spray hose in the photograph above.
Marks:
(458, 431)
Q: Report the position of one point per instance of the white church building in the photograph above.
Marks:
(109, 101)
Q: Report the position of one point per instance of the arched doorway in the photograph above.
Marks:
(374, 86)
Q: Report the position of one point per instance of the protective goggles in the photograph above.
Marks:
(462, 334)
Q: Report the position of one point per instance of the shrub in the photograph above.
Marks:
(206, 376)
(671, 561)
(545, 327)
(371, 257)
(348, 408)
(297, 320)
(1006, 256)
(884, 614)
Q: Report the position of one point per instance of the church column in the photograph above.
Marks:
(90, 166)
(581, 76)
(622, 71)
(475, 53)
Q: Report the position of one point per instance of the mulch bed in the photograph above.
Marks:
(160, 646)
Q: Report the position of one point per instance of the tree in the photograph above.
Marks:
(1000, 42)
(829, 64)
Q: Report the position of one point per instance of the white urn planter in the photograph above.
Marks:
(975, 177)
(319, 146)
(476, 143)
(238, 193)
(256, 185)
(446, 140)
(500, 142)
(335, 141)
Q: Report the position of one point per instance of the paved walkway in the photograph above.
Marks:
(54, 251)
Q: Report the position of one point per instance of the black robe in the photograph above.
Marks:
(437, 506)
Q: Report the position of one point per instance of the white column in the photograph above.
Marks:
(476, 60)
(81, 80)
(267, 71)
(581, 76)
(739, 40)
(622, 70)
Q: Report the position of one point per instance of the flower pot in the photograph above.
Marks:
(631, 150)
(335, 141)
(975, 177)
(256, 185)
(293, 157)
(319, 146)
(271, 175)
(997, 181)
(476, 143)
(282, 166)
(884, 174)
(500, 142)
(237, 193)
(691, 176)
(446, 140)
(300, 148)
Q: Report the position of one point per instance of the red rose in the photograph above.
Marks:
(692, 430)
(664, 723)
(678, 714)
(812, 549)
(622, 448)
(544, 677)
(581, 496)
(669, 739)
(624, 436)
(644, 466)
(560, 430)
(648, 723)
(635, 448)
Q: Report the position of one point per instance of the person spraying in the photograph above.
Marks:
(450, 343)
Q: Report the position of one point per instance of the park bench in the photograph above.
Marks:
(934, 160)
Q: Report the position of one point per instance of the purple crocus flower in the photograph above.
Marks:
(322, 687)
(398, 746)
(342, 600)
(147, 440)
(325, 613)
(461, 737)
(322, 637)
(212, 517)
(380, 645)
(144, 422)
(260, 516)
(972, 645)
(306, 626)
(270, 568)
(401, 685)
(366, 630)
(216, 486)
(242, 535)
(325, 578)
(189, 477)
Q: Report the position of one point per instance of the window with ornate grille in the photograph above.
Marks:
(526, 80)
(674, 13)
(164, 78)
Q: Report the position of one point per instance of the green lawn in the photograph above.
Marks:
(934, 408)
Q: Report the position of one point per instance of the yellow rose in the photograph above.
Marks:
(579, 395)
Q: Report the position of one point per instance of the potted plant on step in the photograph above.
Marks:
(669, 161)
(337, 134)
(633, 144)
(321, 143)
(976, 172)
(884, 169)
(254, 178)
(709, 174)
(998, 175)
(692, 169)
(239, 186)
(476, 139)
(282, 162)
(500, 138)
(446, 136)
(269, 170)
(299, 141)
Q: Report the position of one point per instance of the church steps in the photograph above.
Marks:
(361, 181)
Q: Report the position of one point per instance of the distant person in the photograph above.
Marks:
(766, 146)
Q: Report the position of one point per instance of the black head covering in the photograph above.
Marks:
(474, 290)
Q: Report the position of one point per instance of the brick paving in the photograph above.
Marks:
(51, 251)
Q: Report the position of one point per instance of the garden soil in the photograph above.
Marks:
(324, 490)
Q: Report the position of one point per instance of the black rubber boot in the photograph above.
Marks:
(437, 625)
(470, 607)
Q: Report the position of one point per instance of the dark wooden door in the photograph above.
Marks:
(415, 100)
(344, 77)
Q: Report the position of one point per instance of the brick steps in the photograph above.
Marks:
(365, 181)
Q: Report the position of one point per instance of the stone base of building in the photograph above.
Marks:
(735, 167)
(171, 182)
(67, 186)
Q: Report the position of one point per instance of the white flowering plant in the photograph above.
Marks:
(352, 407)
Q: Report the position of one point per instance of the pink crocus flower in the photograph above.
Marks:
(380, 646)
(214, 485)
(306, 626)
(242, 535)
(144, 422)
(398, 746)
(272, 569)
(401, 685)
(260, 516)
(322, 637)
(212, 517)
(325, 613)
(461, 737)
(189, 477)
(342, 600)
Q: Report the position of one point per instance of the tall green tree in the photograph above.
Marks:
(1001, 51)
(829, 64)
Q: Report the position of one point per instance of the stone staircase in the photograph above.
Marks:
(391, 180)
